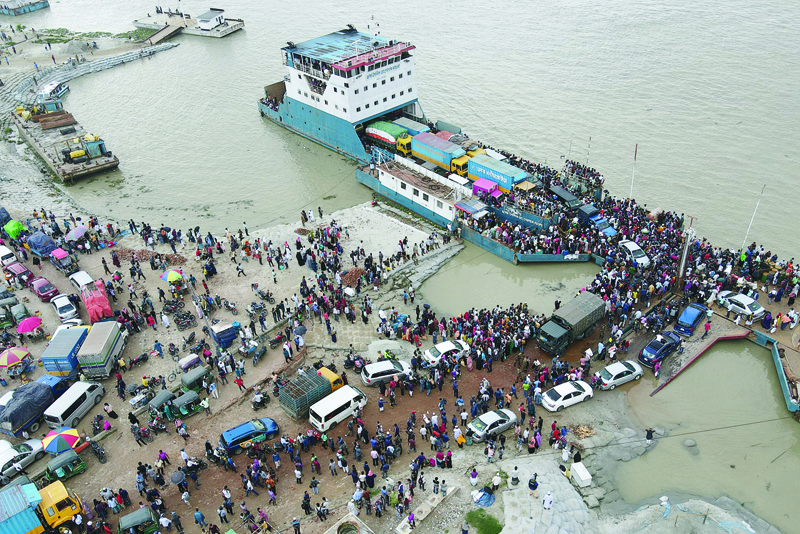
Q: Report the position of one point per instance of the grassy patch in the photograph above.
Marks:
(139, 34)
(483, 522)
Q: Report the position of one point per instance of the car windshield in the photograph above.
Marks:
(258, 425)
(397, 365)
(603, 224)
(478, 424)
(754, 307)
(434, 352)
(638, 253)
(65, 308)
(44, 288)
(553, 395)
(604, 374)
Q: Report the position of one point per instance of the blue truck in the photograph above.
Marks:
(60, 358)
(22, 414)
(499, 172)
(442, 153)
(412, 127)
(591, 216)
(41, 245)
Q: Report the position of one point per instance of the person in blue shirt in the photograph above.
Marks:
(199, 518)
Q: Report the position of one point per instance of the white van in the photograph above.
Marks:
(633, 253)
(7, 256)
(80, 279)
(336, 407)
(74, 404)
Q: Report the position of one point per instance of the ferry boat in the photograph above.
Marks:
(20, 7)
(52, 90)
(337, 84)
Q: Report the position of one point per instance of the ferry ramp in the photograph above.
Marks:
(167, 32)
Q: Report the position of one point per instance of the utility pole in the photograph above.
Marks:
(688, 235)
(744, 243)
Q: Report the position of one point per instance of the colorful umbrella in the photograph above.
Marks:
(13, 228)
(61, 440)
(172, 275)
(76, 233)
(29, 324)
(13, 356)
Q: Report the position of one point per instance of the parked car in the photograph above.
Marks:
(43, 289)
(375, 373)
(565, 395)
(243, 436)
(634, 252)
(659, 348)
(22, 273)
(739, 303)
(64, 308)
(494, 422)
(446, 350)
(690, 319)
(25, 453)
(618, 373)
(80, 279)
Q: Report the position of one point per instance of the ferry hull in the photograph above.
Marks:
(329, 131)
(21, 10)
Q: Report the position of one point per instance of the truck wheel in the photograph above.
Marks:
(589, 332)
(34, 427)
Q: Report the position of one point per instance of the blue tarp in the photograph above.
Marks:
(485, 499)
(4, 217)
(41, 244)
(471, 206)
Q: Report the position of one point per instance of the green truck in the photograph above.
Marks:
(574, 320)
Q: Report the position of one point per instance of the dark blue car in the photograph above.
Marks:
(659, 348)
(690, 319)
(243, 436)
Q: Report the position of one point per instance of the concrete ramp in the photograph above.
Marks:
(167, 32)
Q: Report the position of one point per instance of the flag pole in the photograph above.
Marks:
(753, 217)
(635, 152)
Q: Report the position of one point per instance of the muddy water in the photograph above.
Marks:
(476, 278)
(755, 461)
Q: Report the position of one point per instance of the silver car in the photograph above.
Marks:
(618, 373)
(494, 422)
(742, 304)
(25, 453)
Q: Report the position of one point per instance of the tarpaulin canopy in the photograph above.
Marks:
(470, 206)
(13, 228)
(4, 217)
(96, 301)
(525, 185)
(496, 193)
(59, 254)
(29, 400)
(41, 244)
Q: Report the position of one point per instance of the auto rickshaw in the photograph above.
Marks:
(20, 312)
(193, 380)
(6, 317)
(65, 465)
(142, 521)
(187, 404)
(187, 363)
(159, 406)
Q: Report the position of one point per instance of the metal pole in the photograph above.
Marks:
(588, 150)
(753, 217)
(635, 152)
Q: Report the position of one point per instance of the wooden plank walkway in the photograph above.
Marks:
(721, 329)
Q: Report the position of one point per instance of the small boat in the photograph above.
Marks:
(53, 90)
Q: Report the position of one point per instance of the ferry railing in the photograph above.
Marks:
(312, 71)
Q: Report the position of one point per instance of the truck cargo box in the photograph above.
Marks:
(301, 392)
(101, 349)
(60, 358)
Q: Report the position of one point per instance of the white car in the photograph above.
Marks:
(566, 394)
(496, 421)
(618, 373)
(80, 279)
(25, 453)
(739, 303)
(633, 252)
(65, 309)
(446, 350)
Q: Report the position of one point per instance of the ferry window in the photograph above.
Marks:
(305, 94)
(410, 89)
(384, 99)
(347, 85)
(391, 79)
(336, 106)
(358, 109)
(365, 88)
(344, 110)
(438, 203)
(356, 91)
(299, 92)
(374, 85)
(416, 192)
(326, 102)
(402, 185)
(383, 63)
(376, 102)
(393, 96)
(298, 76)
(383, 82)
(400, 75)
(425, 197)
(409, 73)
(401, 93)
(335, 90)
(367, 106)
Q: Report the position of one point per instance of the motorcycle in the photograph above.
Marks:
(198, 464)
(197, 348)
(146, 435)
(230, 306)
(277, 340)
(157, 427)
(175, 303)
(97, 424)
(188, 340)
(319, 365)
(259, 354)
(260, 404)
(173, 349)
(219, 456)
(139, 360)
(265, 295)
(98, 451)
